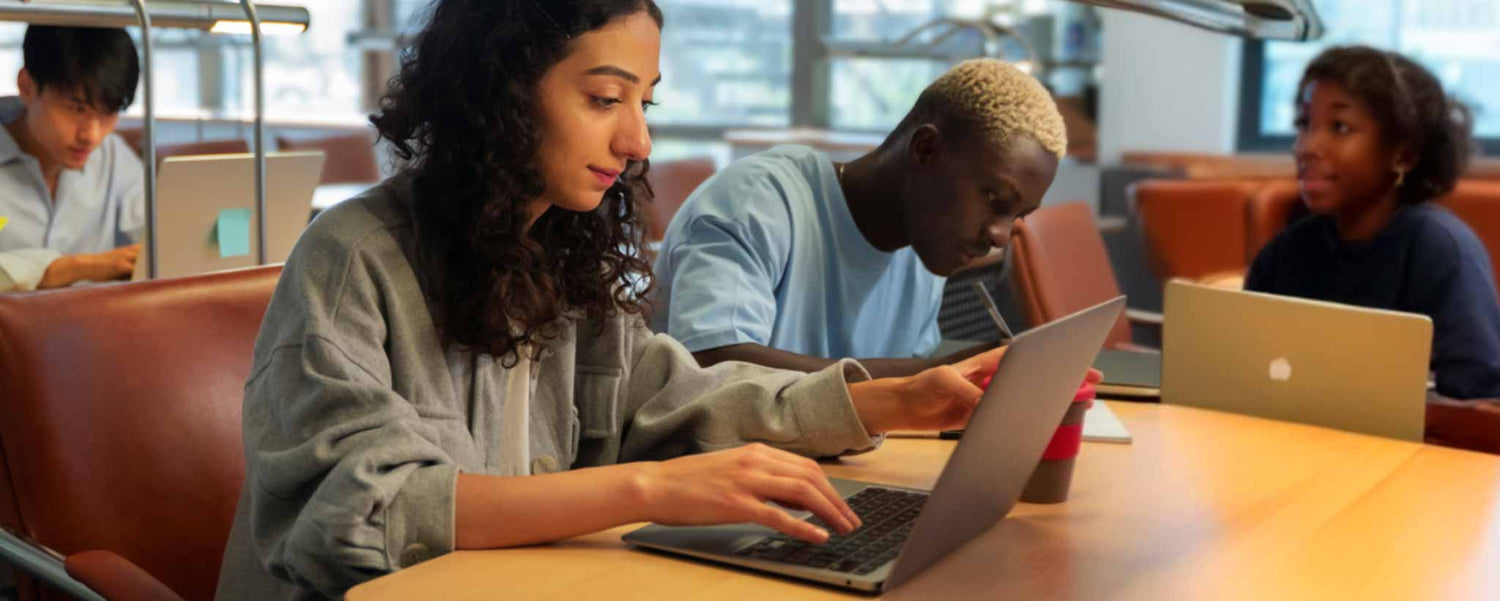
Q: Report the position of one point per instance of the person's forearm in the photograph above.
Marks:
(496, 511)
(110, 265)
(878, 404)
(769, 357)
(61, 272)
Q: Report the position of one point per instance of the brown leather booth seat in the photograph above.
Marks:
(120, 426)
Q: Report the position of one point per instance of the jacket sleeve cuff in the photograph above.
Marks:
(420, 519)
(830, 424)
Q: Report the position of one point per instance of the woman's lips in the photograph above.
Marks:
(606, 177)
(1315, 184)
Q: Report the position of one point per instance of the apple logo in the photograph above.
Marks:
(1281, 370)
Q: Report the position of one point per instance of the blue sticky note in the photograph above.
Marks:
(233, 232)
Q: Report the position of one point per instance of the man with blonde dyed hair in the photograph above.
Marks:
(790, 260)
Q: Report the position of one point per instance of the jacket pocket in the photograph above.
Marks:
(596, 394)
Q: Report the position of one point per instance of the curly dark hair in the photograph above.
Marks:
(461, 115)
(1411, 108)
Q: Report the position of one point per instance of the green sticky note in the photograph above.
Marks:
(233, 232)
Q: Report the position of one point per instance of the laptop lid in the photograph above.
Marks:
(1006, 436)
(1324, 364)
(983, 478)
(194, 192)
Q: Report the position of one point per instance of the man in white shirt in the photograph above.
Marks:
(72, 204)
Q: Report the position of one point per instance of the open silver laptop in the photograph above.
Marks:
(904, 530)
(193, 191)
(1292, 359)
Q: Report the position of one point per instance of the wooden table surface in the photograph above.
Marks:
(1203, 505)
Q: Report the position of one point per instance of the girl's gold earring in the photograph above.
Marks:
(1400, 177)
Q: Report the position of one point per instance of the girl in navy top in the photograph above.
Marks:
(1377, 140)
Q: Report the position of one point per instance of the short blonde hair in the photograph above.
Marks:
(1001, 101)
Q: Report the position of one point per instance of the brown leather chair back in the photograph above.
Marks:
(136, 138)
(1477, 202)
(672, 181)
(349, 158)
(1270, 210)
(198, 148)
(1193, 228)
(120, 424)
(1472, 425)
(1060, 266)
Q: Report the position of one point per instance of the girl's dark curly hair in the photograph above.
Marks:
(462, 117)
(1409, 104)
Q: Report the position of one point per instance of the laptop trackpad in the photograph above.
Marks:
(715, 540)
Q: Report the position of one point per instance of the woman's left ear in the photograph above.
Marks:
(1406, 160)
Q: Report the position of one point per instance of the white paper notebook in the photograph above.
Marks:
(1101, 424)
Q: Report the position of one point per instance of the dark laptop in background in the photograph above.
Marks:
(1133, 375)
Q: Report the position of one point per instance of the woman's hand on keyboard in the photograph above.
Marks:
(732, 486)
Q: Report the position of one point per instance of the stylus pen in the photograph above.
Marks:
(989, 305)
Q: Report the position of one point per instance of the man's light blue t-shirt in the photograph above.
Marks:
(766, 252)
(97, 208)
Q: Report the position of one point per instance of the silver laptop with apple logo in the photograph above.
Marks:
(1292, 359)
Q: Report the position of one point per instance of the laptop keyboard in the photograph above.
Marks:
(888, 516)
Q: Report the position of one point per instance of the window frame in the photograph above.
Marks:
(1251, 138)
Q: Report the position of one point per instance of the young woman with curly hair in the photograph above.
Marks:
(1377, 141)
(457, 359)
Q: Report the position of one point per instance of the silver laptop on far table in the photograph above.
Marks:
(905, 530)
(1292, 359)
(192, 191)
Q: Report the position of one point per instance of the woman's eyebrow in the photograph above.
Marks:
(613, 71)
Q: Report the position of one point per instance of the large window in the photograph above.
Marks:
(726, 62)
(1459, 40)
(874, 93)
(872, 89)
(769, 63)
(314, 76)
